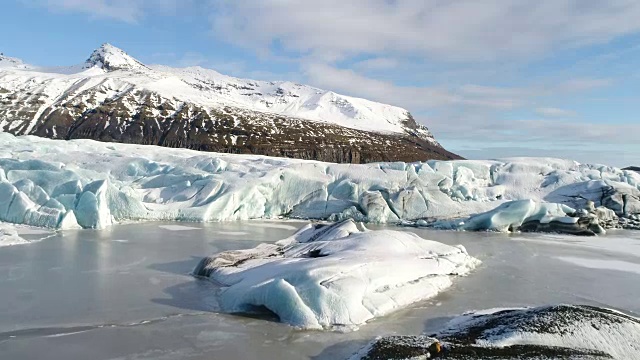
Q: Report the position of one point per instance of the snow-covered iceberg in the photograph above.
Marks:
(63, 184)
(335, 275)
(547, 332)
(532, 216)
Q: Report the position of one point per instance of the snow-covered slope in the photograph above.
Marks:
(57, 183)
(290, 99)
(114, 97)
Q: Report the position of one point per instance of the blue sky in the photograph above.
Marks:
(491, 78)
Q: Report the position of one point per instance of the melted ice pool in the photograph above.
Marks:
(126, 292)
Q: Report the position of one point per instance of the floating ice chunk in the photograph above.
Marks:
(335, 275)
(511, 215)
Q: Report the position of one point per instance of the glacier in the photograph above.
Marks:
(90, 184)
(339, 275)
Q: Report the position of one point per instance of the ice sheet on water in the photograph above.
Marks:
(11, 234)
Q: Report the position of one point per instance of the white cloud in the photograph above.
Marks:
(192, 59)
(423, 98)
(379, 63)
(352, 83)
(414, 98)
(484, 128)
(464, 30)
(481, 90)
(123, 10)
(585, 84)
(554, 112)
(619, 156)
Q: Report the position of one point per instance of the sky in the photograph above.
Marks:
(490, 78)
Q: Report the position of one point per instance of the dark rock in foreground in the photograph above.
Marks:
(550, 332)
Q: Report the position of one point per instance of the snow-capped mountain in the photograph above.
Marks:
(114, 97)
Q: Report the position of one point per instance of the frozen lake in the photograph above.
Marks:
(125, 292)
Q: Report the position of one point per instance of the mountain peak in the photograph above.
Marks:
(111, 58)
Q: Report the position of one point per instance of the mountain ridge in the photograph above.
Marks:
(114, 97)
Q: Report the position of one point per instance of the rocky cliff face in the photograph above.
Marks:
(114, 97)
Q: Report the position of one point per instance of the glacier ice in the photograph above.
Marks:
(335, 275)
(55, 183)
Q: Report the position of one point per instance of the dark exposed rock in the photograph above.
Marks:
(582, 227)
(477, 336)
(633, 168)
(154, 121)
(401, 347)
(590, 221)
